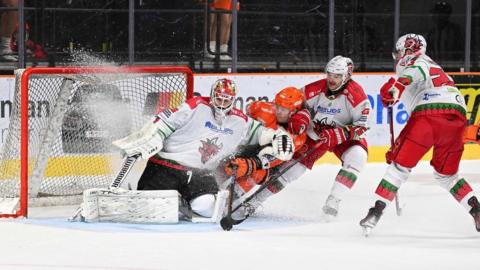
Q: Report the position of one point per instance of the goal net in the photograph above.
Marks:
(63, 121)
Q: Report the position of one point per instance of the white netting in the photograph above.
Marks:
(73, 119)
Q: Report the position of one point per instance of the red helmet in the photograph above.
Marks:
(290, 98)
(222, 95)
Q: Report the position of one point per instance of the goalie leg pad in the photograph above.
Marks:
(130, 206)
(217, 211)
(203, 205)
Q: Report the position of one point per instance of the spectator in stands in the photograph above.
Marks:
(225, 26)
(8, 21)
(445, 38)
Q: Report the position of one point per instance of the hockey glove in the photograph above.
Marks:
(146, 142)
(298, 123)
(244, 166)
(391, 91)
(281, 147)
(332, 137)
(356, 132)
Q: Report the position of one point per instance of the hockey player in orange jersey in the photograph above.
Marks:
(284, 112)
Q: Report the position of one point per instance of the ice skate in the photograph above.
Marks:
(475, 211)
(372, 218)
(330, 209)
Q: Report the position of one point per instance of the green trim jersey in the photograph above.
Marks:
(427, 86)
(194, 138)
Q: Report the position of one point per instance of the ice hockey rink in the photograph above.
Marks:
(433, 232)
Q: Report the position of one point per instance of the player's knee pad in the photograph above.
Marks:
(292, 174)
(354, 159)
(445, 181)
(397, 174)
(203, 205)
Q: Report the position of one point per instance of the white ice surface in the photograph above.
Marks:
(434, 232)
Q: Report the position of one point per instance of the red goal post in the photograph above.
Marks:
(70, 115)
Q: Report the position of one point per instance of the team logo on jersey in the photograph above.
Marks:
(218, 129)
(427, 96)
(323, 122)
(331, 111)
(209, 148)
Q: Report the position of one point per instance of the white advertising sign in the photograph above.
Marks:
(263, 87)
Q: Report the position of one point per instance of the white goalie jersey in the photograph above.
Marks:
(197, 140)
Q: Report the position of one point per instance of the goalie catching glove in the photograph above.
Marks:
(147, 141)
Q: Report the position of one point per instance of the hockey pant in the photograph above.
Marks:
(197, 188)
(443, 133)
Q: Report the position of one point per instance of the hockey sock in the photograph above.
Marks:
(343, 181)
(458, 187)
(461, 191)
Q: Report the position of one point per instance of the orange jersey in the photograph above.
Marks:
(224, 4)
(266, 113)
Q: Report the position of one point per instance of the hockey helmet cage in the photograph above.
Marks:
(414, 42)
(223, 95)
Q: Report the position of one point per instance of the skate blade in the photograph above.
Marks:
(326, 218)
(366, 231)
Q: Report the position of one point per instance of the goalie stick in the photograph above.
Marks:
(227, 222)
(392, 144)
(117, 182)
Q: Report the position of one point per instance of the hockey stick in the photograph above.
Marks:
(126, 167)
(228, 221)
(117, 182)
(392, 144)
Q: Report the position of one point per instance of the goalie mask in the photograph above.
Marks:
(222, 96)
(288, 101)
(409, 42)
(338, 73)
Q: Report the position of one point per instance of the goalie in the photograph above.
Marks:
(185, 145)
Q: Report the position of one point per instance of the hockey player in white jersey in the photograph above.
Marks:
(340, 110)
(185, 145)
(437, 120)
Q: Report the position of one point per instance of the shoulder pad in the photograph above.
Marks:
(239, 113)
(264, 112)
(193, 102)
(314, 89)
(354, 93)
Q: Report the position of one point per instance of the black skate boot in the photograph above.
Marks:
(475, 211)
(373, 216)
